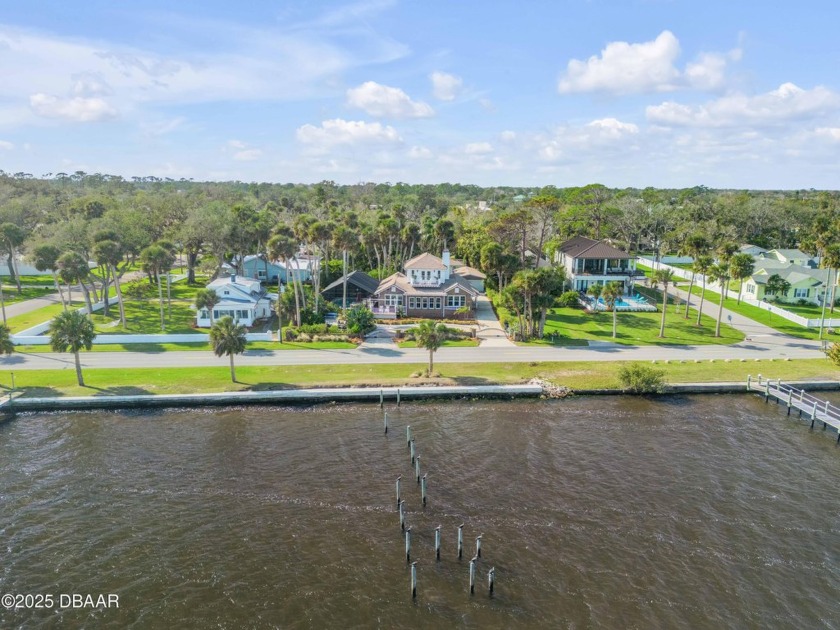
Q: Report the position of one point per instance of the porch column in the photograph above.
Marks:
(605, 266)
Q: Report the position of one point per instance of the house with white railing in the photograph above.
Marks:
(588, 262)
(428, 288)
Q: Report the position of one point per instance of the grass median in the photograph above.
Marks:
(577, 375)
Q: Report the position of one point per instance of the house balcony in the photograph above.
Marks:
(385, 312)
(426, 284)
(611, 271)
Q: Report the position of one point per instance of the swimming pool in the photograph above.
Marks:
(625, 303)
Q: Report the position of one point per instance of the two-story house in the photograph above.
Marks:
(589, 262)
(428, 289)
(243, 299)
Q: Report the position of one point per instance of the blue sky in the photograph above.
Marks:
(565, 92)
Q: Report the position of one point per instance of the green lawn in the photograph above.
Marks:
(10, 294)
(809, 310)
(200, 346)
(580, 375)
(41, 281)
(759, 315)
(27, 320)
(573, 326)
(143, 317)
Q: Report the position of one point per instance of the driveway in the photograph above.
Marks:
(490, 331)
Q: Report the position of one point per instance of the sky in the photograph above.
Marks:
(664, 93)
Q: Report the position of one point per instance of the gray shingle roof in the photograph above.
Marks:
(582, 247)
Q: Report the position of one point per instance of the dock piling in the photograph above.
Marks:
(411, 450)
(460, 540)
(472, 575)
(398, 396)
(423, 490)
(491, 580)
(790, 400)
(402, 515)
(417, 467)
(408, 435)
(478, 546)
(413, 580)
(437, 543)
(386, 423)
(381, 399)
(408, 544)
(398, 491)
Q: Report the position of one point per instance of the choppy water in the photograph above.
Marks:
(697, 512)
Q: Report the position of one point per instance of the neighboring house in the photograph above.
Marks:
(258, 267)
(360, 287)
(473, 276)
(806, 283)
(588, 262)
(788, 256)
(752, 250)
(243, 299)
(428, 288)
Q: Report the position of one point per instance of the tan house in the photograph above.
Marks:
(428, 289)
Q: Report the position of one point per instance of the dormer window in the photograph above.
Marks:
(227, 292)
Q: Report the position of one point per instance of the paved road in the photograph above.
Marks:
(490, 330)
(390, 353)
(34, 304)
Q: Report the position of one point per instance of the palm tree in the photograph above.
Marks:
(73, 268)
(663, 277)
(611, 293)
(155, 259)
(228, 338)
(207, 299)
(282, 247)
(7, 345)
(719, 273)
(344, 238)
(724, 252)
(45, 258)
(694, 246)
(71, 331)
(595, 291)
(701, 265)
(430, 335)
(172, 248)
(13, 237)
(830, 260)
(109, 254)
(776, 285)
(741, 267)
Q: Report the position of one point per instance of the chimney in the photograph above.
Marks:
(447, 264)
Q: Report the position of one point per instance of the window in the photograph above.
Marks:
(801, 293)
(424, 303)
(750, 288)
(215, 314)
(455, 301)
(393, 299)
(260, 273)
(411, 302)
(227, 292)
(437, 303)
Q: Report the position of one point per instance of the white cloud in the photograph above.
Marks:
(445, 86)
(6, 146)
(419, 153)
(788, 102)
(478, 148)
(236, 144)
(625, 68)
(248, 155)
(337, 132)
(508, 135)
(612, 127)
(77, 108)
(384, 101)
(832, 133)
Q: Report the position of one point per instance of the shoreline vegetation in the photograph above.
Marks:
(580, 375)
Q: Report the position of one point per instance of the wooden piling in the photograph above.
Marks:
(386, 423)
(460, 540)
(437, 542)
(413, 580)
(411, 450)
(491, 580)
(408, 544)
(408, 436)
(402, 515)
(417, 467)
(472, 575)
(790, 400)
(398, 396)
(478, 545)
(423, 490)
(381, 399)
(398, 491)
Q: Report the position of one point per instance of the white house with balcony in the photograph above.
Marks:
(427, 289)
(588, 262)
(242, 299)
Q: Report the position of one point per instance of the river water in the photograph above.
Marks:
(690, 512)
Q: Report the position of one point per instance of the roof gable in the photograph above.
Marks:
(425, 261)
(357, 278)
(582, 247)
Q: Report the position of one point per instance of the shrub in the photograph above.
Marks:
(138, 290)
(638, 378)
(360, 320)
(568, 299)
(291, 334)
(304, 337)
(833, 353)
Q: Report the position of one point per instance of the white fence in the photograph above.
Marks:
(35, 336)
(685, 274)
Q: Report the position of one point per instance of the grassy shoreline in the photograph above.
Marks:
(576, 375)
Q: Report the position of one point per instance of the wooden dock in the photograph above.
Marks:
(794, 398)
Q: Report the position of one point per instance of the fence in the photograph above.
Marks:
(685, 274)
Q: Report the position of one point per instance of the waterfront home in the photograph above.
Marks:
(787, 256)
(243, 299)
(473, 276)
(428, 289)
(588, 262)
(806, 283)
(360, 287)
